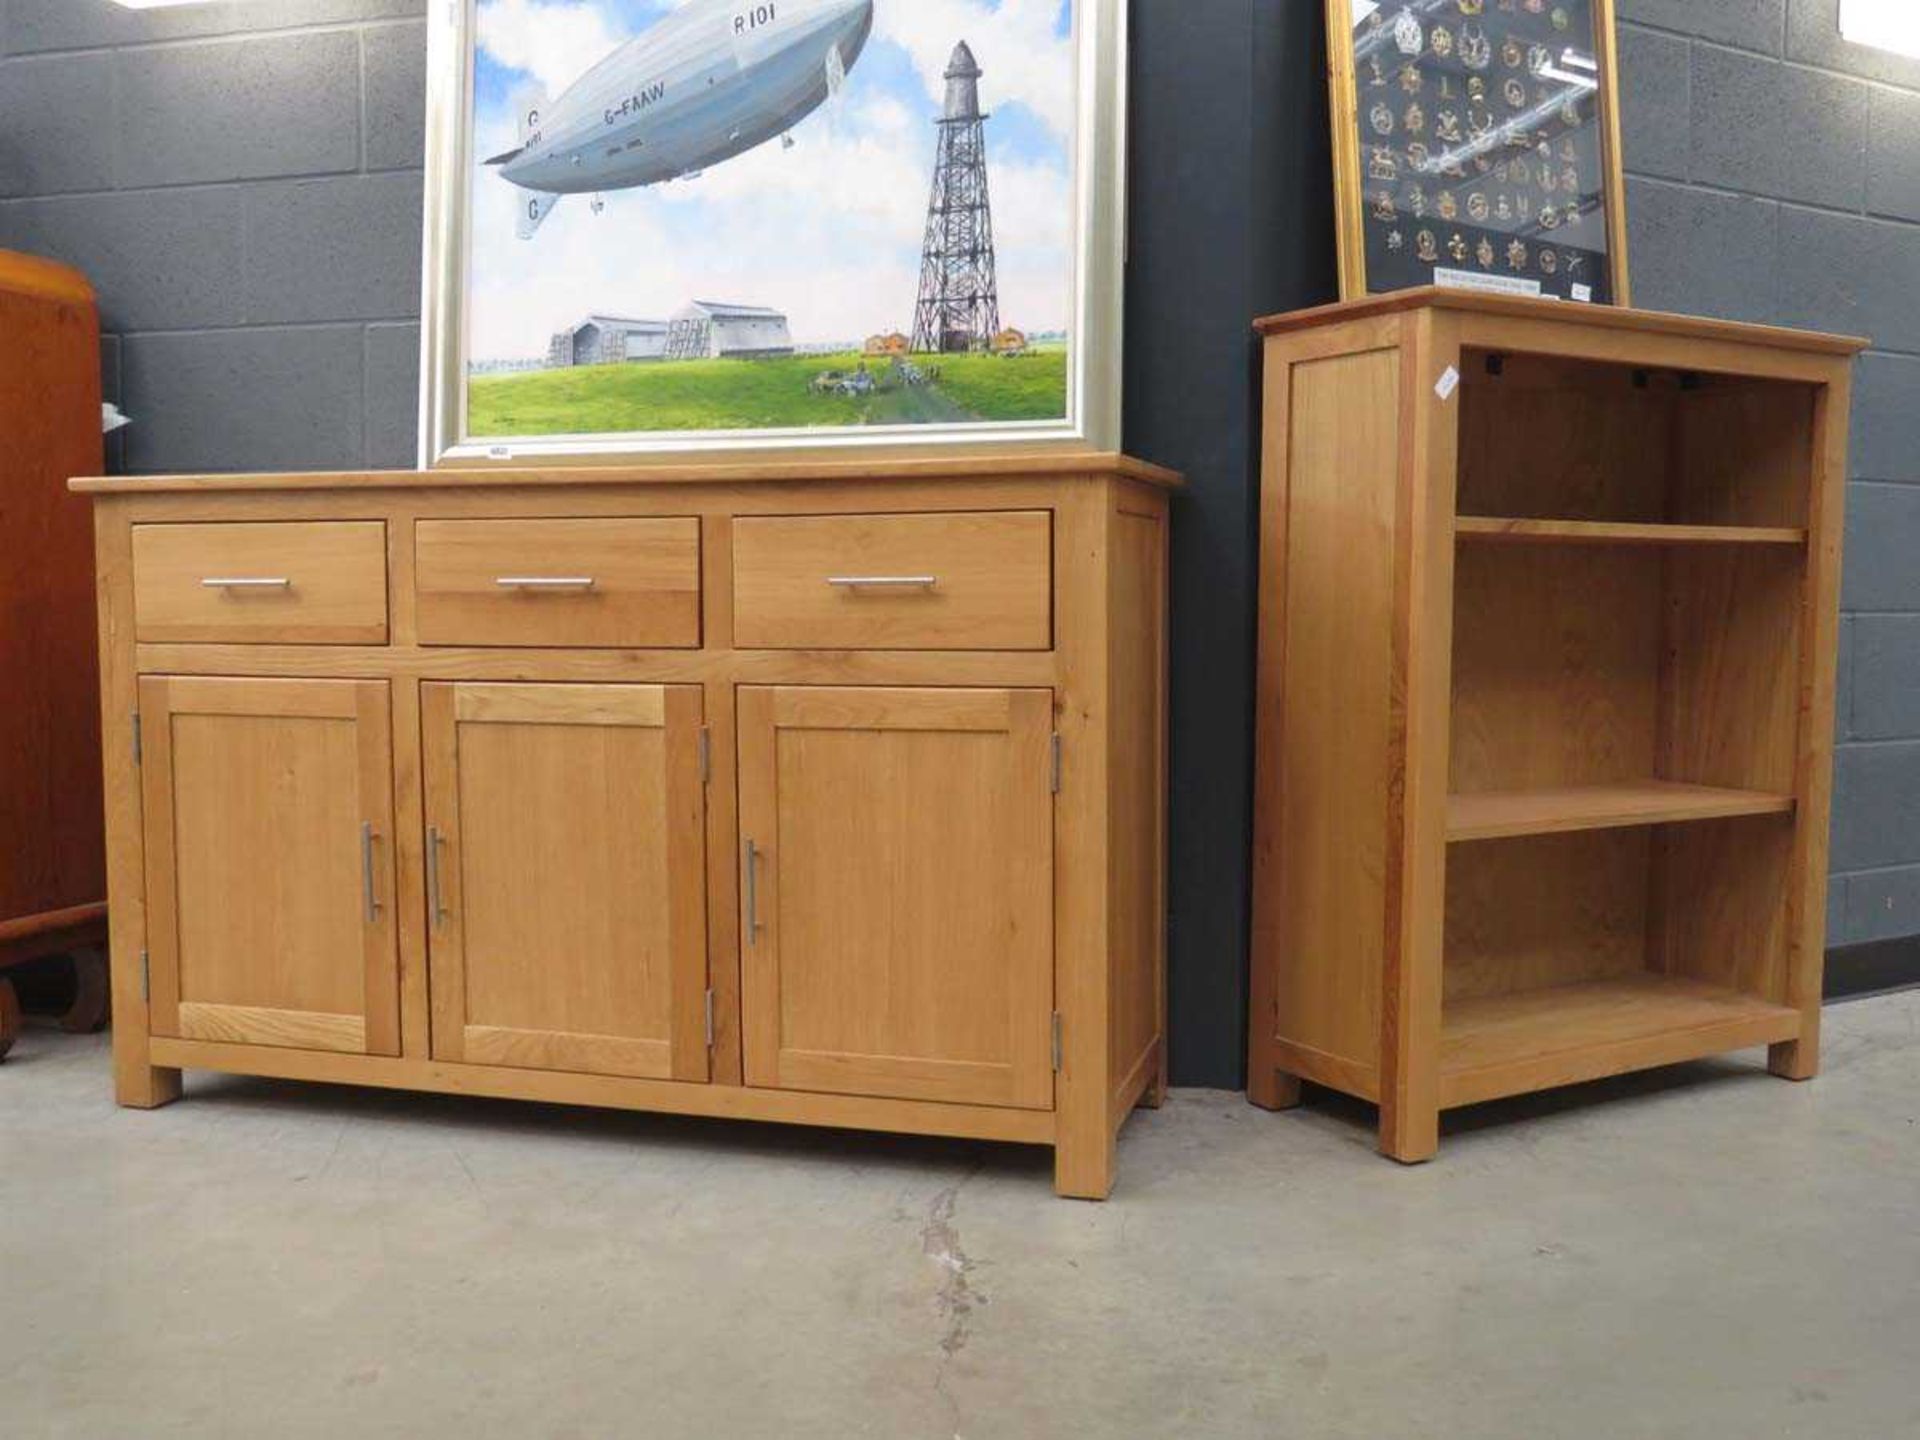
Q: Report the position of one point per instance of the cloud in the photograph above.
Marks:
(555, 41)
(1014, 43)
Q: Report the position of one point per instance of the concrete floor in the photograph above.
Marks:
(1702, 1252)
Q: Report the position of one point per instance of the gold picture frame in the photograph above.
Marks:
(1384, 126)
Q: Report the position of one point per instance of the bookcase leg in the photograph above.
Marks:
(1795, 1059)
(1409, 1135)
(1273, 1089)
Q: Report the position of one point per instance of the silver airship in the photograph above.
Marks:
(710, 81)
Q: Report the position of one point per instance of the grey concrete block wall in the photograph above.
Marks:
(242, 182)
(1774, 175)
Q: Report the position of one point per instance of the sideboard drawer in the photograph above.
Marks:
(958, 581)
(633, 584)
(290, 582)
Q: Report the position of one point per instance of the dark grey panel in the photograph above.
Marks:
(1837, 911)
(78, 24)
(56, 125)
(1701, 253)
(1656, 116)
(245, 400)
(1752, 24)
(345, 248)
(393, 396)
(160, 261)
(396, 118)
(1780, 130)
(239, 109)
(1886, 678)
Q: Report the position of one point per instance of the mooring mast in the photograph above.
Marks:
(959, 307)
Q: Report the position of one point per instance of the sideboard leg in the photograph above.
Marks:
(1083, 1164)
(1273, 1089)
(1408, 1134)
(146, 1089)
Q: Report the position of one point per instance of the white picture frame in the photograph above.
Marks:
(1095, 301)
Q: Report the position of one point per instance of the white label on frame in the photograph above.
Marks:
(1474, 280)
(1448, 382)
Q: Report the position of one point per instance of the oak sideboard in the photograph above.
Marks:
(831, 793)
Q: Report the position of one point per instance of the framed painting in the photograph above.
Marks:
(1477, 145)
(667, 227)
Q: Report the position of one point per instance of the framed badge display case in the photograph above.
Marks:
(1477, 145)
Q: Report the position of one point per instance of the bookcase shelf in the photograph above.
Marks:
(1499, 814)
(1494, 529)
(1547, 663)
(1512, 1044)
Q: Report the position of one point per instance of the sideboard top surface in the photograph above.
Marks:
(1606, 317)
(1048, 464)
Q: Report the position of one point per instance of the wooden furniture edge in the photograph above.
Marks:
(49, 279)
(50, 922)
(1578, 1064)
(1039, 465)
(1613, 317)
(607, 1092)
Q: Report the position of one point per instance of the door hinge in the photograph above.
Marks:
(1054, 779)
(1059, 1045)
(709, 1019)
(146, 976)
(136, 737)
(706, 755)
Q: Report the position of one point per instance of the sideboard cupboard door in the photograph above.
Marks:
(897, 892)
(270, 878)
(566, 875)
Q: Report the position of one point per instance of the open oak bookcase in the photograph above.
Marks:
(1548, 609)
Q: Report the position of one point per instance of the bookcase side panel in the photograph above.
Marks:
(1327, 664)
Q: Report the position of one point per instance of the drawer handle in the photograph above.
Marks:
(545, 582)
(883, 582)
(243, 582)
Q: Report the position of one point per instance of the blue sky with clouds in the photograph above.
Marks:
(830, 230)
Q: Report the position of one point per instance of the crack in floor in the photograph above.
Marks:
(957, 1298)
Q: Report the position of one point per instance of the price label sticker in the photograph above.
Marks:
(1448, 382)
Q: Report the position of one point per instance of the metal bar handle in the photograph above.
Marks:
(753, 891)
(434, 897)
(883, 582)
(546, 582)
(366, 871)
(245, 582)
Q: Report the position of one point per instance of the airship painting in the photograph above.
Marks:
(710, 81)
(743, 217)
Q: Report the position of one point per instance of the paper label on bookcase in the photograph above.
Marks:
(1474, 280)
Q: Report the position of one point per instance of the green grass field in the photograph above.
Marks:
(762, 395)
